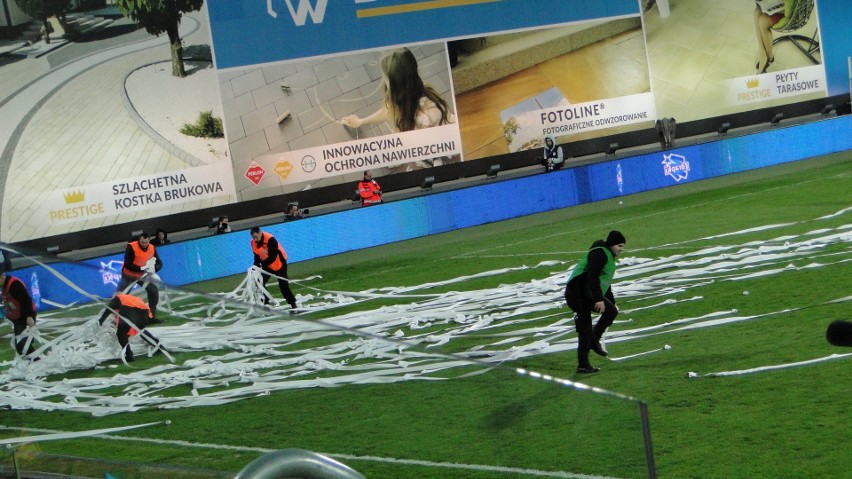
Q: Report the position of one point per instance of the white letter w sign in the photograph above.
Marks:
(301, 12)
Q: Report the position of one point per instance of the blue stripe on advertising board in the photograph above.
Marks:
(246, 33)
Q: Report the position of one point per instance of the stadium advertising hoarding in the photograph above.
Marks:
(711, 59)
(249, 33)
(324, 235)
(355, 156)
(96, 201)
(289, 71)
(287, 90)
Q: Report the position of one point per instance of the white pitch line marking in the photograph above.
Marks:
(390, 460)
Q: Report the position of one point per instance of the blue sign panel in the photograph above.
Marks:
(256, 32)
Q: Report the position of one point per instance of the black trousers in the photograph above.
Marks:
(20, 326)
(283, 284)
(138, 319)
(122, 332)
(151, 290)
(587, 334)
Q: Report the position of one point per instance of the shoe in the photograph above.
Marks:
(155, 321)
(765, 67)
(587, 369)
(599, 348)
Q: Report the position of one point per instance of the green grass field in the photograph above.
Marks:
(413, 360)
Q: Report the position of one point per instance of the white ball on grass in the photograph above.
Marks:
(692, 375)
(745, 293)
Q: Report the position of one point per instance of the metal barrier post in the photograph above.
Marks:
(296, 464)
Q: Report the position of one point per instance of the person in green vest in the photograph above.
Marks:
(589, 289)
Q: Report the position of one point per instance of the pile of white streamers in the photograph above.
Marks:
(243, 349)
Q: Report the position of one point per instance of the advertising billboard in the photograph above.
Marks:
(90, 133)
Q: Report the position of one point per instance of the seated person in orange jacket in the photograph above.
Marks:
(369, 190)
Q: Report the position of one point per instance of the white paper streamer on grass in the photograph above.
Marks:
(71, 435)
(777, 367)
(254, 350)
(644, 353)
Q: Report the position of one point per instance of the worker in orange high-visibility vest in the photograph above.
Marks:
(19, 308)
(136, 258)
(269, 255)
(132, 315)
(369, 190)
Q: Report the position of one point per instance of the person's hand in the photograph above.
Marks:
(30, 322)
(351, 121)
(600, 307)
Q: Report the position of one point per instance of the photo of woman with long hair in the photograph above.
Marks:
(409, 103)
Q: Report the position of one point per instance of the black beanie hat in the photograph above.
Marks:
(614, 238)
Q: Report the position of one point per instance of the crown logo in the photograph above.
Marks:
(753, 82)
(75, 197)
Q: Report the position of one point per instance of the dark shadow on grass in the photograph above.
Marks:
(509, 415)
